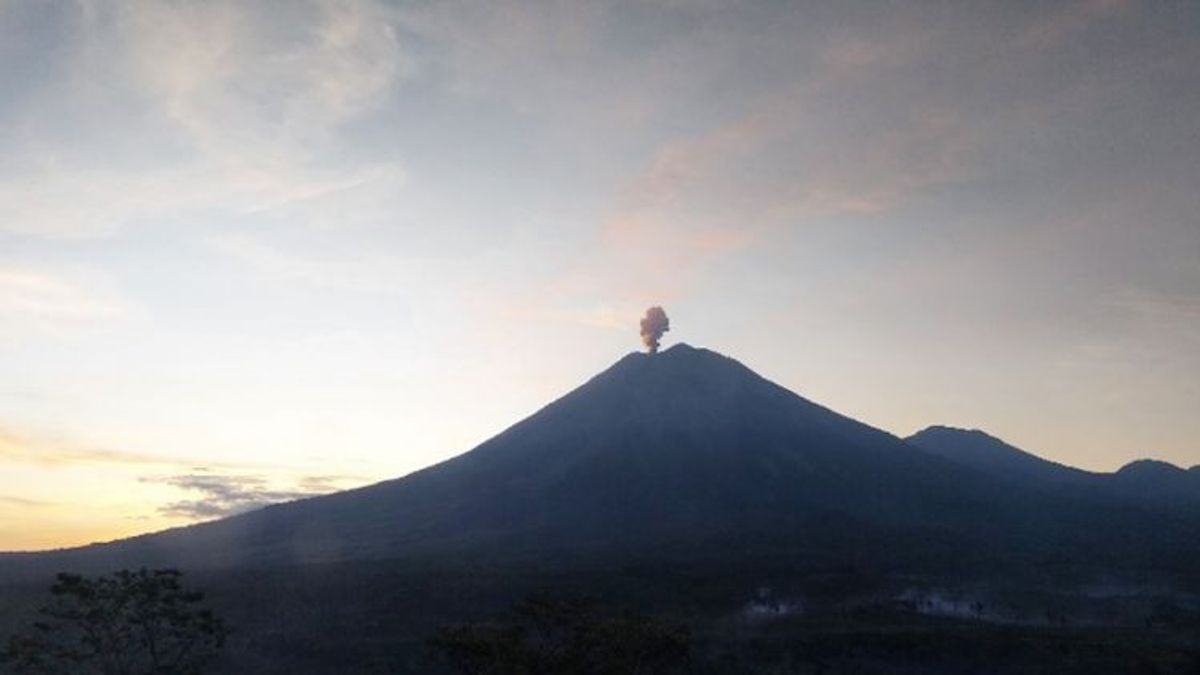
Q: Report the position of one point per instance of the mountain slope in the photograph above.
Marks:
(681, 454)
(977, 449)
(1146, 483)
(1162, 482)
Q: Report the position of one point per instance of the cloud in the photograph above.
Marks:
(23, 502)
(40, 302)
(75, 202)
(283, 71)
(369, 273)
(791, 158)
(498, 48)
(35, 296)
(324, 484)
(195, 108)
(222, 495)
(24, 449)
(871, 133)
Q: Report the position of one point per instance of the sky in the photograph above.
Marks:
(251, 251)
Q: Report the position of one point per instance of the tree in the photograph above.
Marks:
(129, 623)
(548, 636)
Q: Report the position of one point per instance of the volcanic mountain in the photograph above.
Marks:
(680, 455)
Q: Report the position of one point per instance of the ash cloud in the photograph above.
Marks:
(654, 324)
(221, 495)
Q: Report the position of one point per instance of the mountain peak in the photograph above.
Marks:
(680, 360)
(675, 351)
(964, 440)
(1150, 467)
(945, 429)
(682, 350)
(1165, 481)
(682, 347)
(980, 450)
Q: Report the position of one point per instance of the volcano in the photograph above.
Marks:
(681, 455)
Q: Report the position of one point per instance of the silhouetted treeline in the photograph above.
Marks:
(142, 622)
(545, 635)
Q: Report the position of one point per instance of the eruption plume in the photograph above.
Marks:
(654, 324)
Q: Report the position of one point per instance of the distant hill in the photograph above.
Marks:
(1161, 481)
(978, 450)
(1146, 483)
(688, 455)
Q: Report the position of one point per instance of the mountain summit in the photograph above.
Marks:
(684, 453)
(974, 448)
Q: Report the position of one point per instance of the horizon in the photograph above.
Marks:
(251, 252)
(663, 353)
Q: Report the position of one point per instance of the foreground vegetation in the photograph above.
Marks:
(386, 618)
(128, 623)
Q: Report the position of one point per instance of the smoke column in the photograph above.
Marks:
(654, 324)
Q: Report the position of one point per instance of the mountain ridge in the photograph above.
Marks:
(982, 450)
(1145, 483)
(682, 454)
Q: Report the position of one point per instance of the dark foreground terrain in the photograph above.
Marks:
(377, 618)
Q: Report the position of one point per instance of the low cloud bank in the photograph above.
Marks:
(221, 495)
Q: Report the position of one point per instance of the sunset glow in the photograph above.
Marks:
(253, 251)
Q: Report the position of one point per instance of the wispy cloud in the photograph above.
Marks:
(322, 484)
(368, 272)
(25, 449)
(38, 300)
(216, 106)
(221, 495)
(284, 71)
(22, 502)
